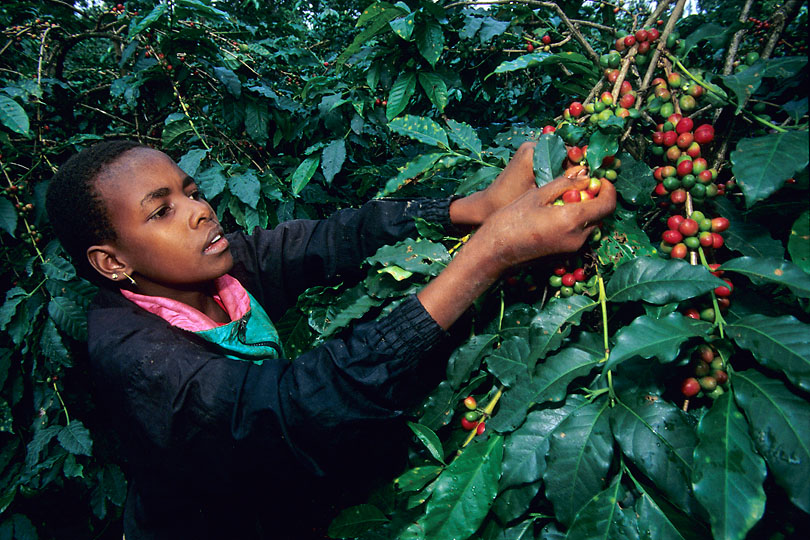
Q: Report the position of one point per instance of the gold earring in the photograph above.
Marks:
(129, 278)
(114, 276)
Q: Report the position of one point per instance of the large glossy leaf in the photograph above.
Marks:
(467, 358)
(662, 338)
(429, 439)
(430, 41)
(421, 129)
(403, 88)
(780, 426)
(716, 34)
(549, 382)
(212, 180)
(514, 502)
(799, 242)
(464, 492)
(525, 449)
(465, 136)
(8, 216)
(659, 281)
(75, 438)
(417, 256)
(13, 116)
(409, 171)
(435, 88)
(191, 160)
(246, 187)
(626, 240)
(303, 174)
(403, 26)
(659, 439)
(603, 517)
(635, 181)
(746, 236)
(356, 520)
(779, 343)
(548, 329)
(332, 159)
(728, 473)
(257, 121)
(580, 452)
(600, 145)
(761, 166)
(509, 362)
(51, 345)
(772, 271)
(69, 317)
(549, 154)
(351, 305)
(138, 25)
(55, 267)
(653, 522)
(374, 18)
(521, 62)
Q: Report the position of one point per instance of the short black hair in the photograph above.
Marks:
(75, 208)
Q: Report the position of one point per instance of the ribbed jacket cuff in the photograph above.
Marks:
(409, 331)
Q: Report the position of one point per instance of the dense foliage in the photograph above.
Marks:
(641, 397)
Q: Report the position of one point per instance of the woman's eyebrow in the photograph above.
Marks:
(159, 193)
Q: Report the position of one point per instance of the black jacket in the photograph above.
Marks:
(221, 448)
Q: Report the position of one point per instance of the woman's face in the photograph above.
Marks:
(166, 232)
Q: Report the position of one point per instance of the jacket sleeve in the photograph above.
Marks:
(279, 264)
(209, 419)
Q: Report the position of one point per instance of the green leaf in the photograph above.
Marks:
(509, 361)
(550, 327)
(467, 358)
(525, 449)
(303, 174)
(780, 424)
(626, 241)
(465, 137)
(747, 236)
(728, 473)
(13, 116)
(356, 520)
(659, 281)
(401, 91)
(69, 316)
(14, 296)
(18, 527)
(417, 478)
(230, 80)
(435, 89)
(8, 216)
(716, 34)
(138, 25)
(549, 383)
(417, 256)
(212, 181)
(51, 345)
(778, 343)
(410, 171)
(776, 271)
(647, 337)
(56, 267)
(761, 165)
(332, 159)
(430, 41)
(549, 154)
(653, 521)
(246, 187)
(111, 485)
(429, 439)
(602, 517)
(799, 242)
(75, 438)
(174, 130)
(378, 15)
(635, 181)
(403, 26)
(521, 62)
(351, 305)
(190, 162)
(659, 439)
(421, 129)
(601, 145)
(257, 121)
(465, 491)
(579, 456)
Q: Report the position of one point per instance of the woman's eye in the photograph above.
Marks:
(160, 212)
(197, 195)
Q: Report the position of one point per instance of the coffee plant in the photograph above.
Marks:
(654, 384)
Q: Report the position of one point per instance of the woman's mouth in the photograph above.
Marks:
(218, 244)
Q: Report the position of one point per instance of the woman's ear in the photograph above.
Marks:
(106, 262)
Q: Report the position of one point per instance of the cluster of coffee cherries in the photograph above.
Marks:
(722, 294)
(473, 418)
(709, 374)
(684, 234)
(545, 40)
(679, 142)
(642, 39)
(570, 282)
(666, 91)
